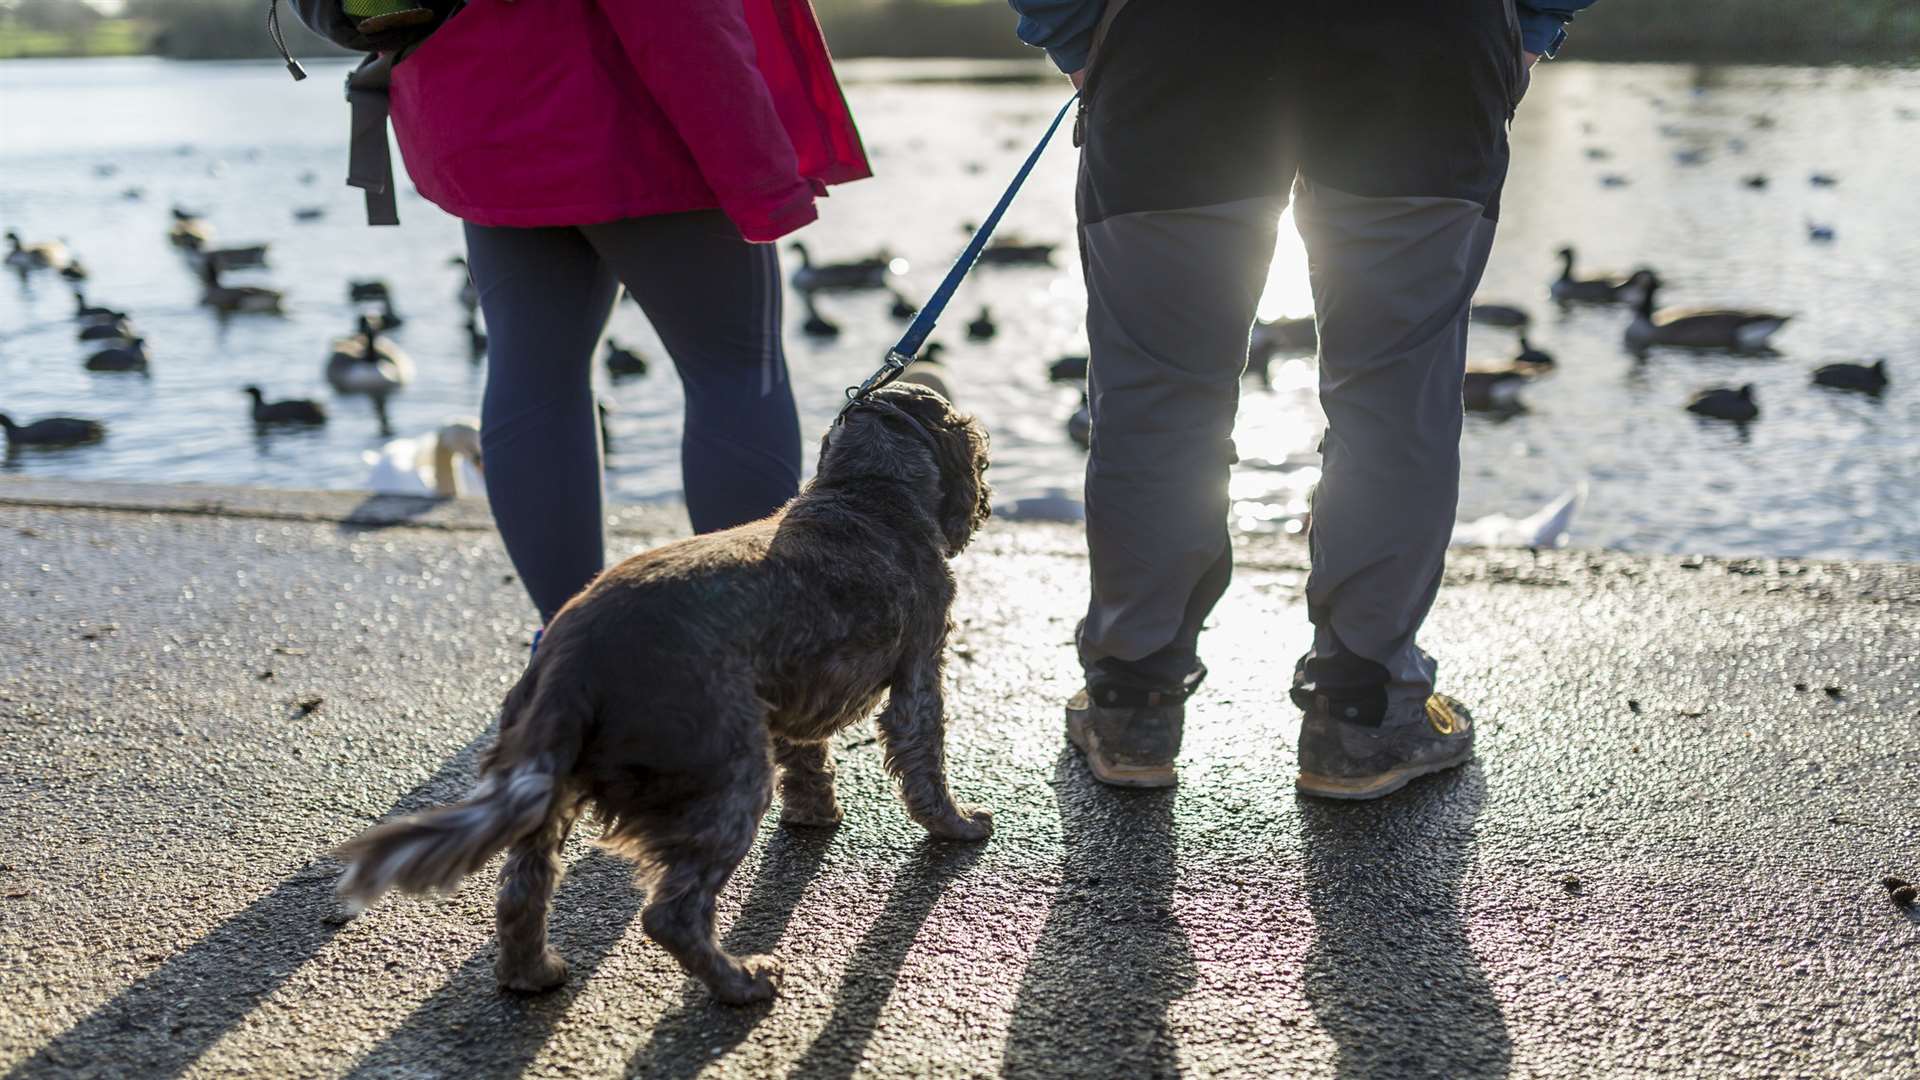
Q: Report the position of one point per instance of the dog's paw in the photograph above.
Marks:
(752, 979)
(543, 974)
(811, 815)
(967, 823)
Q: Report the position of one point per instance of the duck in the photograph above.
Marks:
(1080, 424)
(623, 361)
(1722, 403)
(1691, 156)
(1823, 180)
(236, 258)
(1568, 289)
(53, 431)
(1531, 357)
(240, 299)
(1614, 180)
(1756, 181)
(1493, 390)
(1544, 528)
(1866, 378)
(867, 273)
(903, 308)
(444, 464)
(1013, 251)
(191, 234)
(983, 326)
(309, 213)
(468, 293)
(104, 330)
(1820, 234)
(46, 255)
(128, 355)
(1505, 316)
(86, 312)
(290, 411)
(927, 370)
(370, 291)
(75, 271)
(1740, 331)
(1068, 369)
(817, 325)
(367, 363)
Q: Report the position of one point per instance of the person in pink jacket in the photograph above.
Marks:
(656, 144)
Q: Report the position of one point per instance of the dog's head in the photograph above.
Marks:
(945, 447)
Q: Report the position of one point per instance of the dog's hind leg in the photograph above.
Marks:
(913, 728)
(806, 784)
(693, 848)
(526, 963)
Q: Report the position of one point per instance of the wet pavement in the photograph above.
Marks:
(1693, 775)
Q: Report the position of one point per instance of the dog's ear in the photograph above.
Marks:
(964, 495)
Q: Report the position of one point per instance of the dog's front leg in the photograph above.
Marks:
(806, 784)
(913, 728)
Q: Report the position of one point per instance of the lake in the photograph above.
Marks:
(1821, 473)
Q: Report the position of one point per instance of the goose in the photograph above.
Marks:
(817, 325)
(309, 213)
(241, 299)
(191, 234)
(181, 213)
(53, 431)
(1823, 180)
(371, 291)
(89, 313)
(75, 271)
(48, 255)
(291, 411)
(1531, 357)
(624, 361)
(867, 273)
(469, 293)
(902, 308)
(1741, 331)
(387, 318)
(1866, 378)
(1013, 251)
(476, 338)
(1545, 528)
(443, 464)
(1505, 316)
(1604, 289)
(1493, 390)
(1080, 424)
(129, 355)
(105, 330)
(1724, 404)
(1820, 234)
(982, 327)
(1067, 369)
(236, 258)
(1755, 182)
(367, 363)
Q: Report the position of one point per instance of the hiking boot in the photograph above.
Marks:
(1131, 742)
(1352, 759)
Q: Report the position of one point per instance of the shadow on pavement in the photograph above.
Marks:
(698, 1030)
(161, 1024)
(875, 965)
(1391, 975)
(470, 1027)
(1112, 957)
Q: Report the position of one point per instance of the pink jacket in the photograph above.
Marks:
(573, 112)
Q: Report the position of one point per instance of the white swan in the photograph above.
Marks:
(441, 465)
(1546, 528)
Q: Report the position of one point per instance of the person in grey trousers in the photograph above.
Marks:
(1386, 124)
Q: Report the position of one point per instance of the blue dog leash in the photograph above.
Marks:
(910, 342)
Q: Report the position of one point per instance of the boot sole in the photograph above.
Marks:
(1130, 776)
(1362, 788)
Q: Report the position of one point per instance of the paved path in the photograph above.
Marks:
(1666, 861)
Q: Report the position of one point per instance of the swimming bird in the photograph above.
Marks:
(1067, 369)
(817, 325)
(469, 293)
(86, 312)
(1529, 356)
(46, 255)
(1756, 181)
(1505, 316)
(128, 355)
(1820, 233)
(75, 271)
(982, 327)
(624, 361)
(1866, 378)
(1724, 404)
(237, 299)
(867, 273)
(476, 338)
(189, 233)
(370, 291)
(1080, 424)
(1614, 180)
(1568, 289)
(1689, 328)
(1493, 390)
(309, 213)
(291, 411)
(1013, 251)
(53, 431)
(1544, 528)
(1823, 180)
(1691, 156)
(366, 363)
(106, 330)
(442, 464)
(236, 258)
(902, 309)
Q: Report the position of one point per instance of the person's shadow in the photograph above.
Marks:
(1391, 975)
(1112, 958)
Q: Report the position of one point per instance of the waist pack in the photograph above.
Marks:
(386, 30)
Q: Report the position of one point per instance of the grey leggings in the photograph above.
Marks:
(713, 298)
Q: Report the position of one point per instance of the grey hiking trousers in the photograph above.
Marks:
(1386, 123)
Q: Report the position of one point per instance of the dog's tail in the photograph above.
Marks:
(540, 739)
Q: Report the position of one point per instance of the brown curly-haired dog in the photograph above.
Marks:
(666, 696)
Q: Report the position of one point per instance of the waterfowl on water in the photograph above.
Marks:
(902, 309)
(237, 299)
(75, 271)
(1820, 233)
(1080, 424)
(1688, 328)
(476, 338)
(236, 258)
(982, 327)
(624, 361)
(1067, 369)
(371, 291)
(1614, 180)
(443, 464)
(290, 411)
(817, 325)
(46, 255)
(1722, 403)
(106, 330)
(1013, 251)
(309, 213)
(1544, 528)
(1603, 289)
(367, 363)
(1505, 316)
(129, 355)
(190, 233)
(53, 431)
(1493, 390)
(867, 273)
(86, 312)
(1757, 181)
(1531, 356)
(1866, 378)
(1823, 180)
